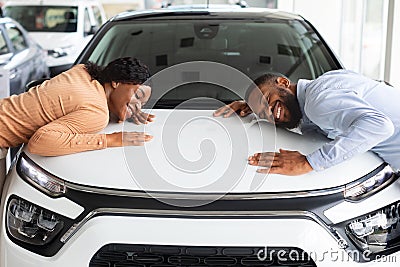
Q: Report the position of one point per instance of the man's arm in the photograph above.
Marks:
(354, 125)
(364, 133)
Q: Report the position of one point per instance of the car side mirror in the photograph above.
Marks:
(93, 29)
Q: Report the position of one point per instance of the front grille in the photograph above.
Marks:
(124, 255)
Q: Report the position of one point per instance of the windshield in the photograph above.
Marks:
(252, 47)
(44, 18)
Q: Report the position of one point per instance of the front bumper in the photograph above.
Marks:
(147, 222)
(186, 232)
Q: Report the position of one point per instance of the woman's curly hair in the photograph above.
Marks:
(124, 70)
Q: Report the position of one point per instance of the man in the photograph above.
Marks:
(64, 114)
(357, 113)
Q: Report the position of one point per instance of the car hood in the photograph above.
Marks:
(49, 40)
(192, 151)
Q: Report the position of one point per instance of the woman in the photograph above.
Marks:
(63, 115)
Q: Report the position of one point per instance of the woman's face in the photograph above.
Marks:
(127, 97)
(138, 100)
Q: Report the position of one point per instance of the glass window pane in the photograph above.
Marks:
(87, 24)
(373, 37)
(16, 37)
(3, 45)
(97, 16)
(363, 36)
(45, 18)
(254, 48)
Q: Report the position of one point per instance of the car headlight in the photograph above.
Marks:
(377, 231)
(371, 185)
(32, 224)
(41, 179)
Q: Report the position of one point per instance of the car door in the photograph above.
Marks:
(98, 17)
(87, 28)
(21, 64)
(5, 55)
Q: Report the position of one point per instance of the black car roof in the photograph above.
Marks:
(233, 13)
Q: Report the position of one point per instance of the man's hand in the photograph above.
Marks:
(237, 106)
(127, 139)
(285, 162)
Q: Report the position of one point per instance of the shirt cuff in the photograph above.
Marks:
(315, 162)
(96, 141)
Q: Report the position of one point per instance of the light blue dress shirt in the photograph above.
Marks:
(357, 113)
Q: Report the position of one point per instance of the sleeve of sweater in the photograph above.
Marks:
(72, 133)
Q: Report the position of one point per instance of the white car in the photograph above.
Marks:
(188, 197)
(62, 28)
(21, 58)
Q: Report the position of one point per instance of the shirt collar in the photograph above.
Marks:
(301, 90)
(301, 93)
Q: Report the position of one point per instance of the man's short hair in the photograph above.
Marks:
(269, 77)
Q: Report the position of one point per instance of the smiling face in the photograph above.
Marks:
(139, 99)
(276, 103)
(124, 97)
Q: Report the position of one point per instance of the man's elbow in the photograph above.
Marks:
(387, 129)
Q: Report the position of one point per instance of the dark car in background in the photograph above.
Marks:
(22, 57)
(188, 197)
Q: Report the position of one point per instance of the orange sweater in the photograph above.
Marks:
(60, 116)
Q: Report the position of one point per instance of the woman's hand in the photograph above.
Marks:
(119, 139)
(137, 115)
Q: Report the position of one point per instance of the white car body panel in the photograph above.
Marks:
(346, 210)
(221, 232)
(109, 201)
(107, 168)
(62, 205)
(73, 42)
(103, 230)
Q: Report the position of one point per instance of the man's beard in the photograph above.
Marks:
(293, 107)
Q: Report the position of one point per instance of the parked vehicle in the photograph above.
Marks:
(21, 56)
(188, 197)
(63, 28)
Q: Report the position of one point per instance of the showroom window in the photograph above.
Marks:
(363, 36)
(359, 37)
